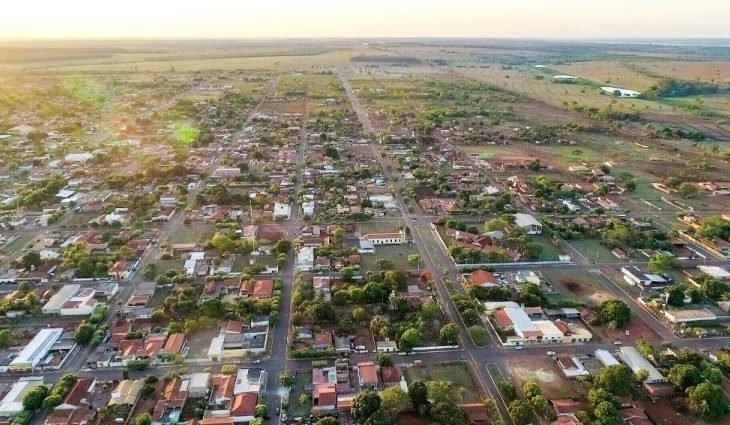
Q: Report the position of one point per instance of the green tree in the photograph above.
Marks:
(327, 420)
(33, 400)
(394, 401)
(507, 389)
(520, 412)
(688, 190)
(409, 339)
(684, 376)
(449, 334)
(364, 405)
(616, 379)
(676, 295)
(607, 413)
(261, 411)
(144, 419)
(531, 389)
(418, 393)
(30, 259)
(663, 262)
(478, 335)
(286, 379)
(84, 332)
(446, 412)
(615, 313)
(7, 339)
(707, 401)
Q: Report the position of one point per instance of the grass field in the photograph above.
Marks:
(302, 385)
(550, 252)
(192, 234)
(398, 254)
(577, 286)
(457, 373)
(594, 251)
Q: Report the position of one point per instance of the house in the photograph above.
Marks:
(243, 407)
(261, 289)
(386, 346)
(174, 345)
(126, 392)
(199, 384)
(121, 270)
(305, 259)
(367, 375)
(323, 340)
(387, 238)
(324, 398)
(236, 343)
(571, 366)
(483, 278)
(634, 276)
(75, 408)
(168, 408)
(250, 381)
(281, 211)
(528, 223)
(365, 247)
(636, 362)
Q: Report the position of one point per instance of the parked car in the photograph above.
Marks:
(519, 347)
(550, 353)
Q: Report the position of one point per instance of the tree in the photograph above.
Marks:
(712, 288)
(541, 406)
(616, 379)
(84, 332)
(688, 190)
(707, 401)
(394, 400)
(33, 400)
(283, 246)
(286, 379)
(607, 413)
(409, 339)
(261, 411)
(507, 389)
(384, 360)
(30, 259)
(418, 393)
(448, 334)
(615, 313)
(531, 389)
(663, 262)
(259, 421)
(597, 395)
(430, 310)
(364, 405)
(7, 339)
(676, 295)
(144, 419)
(520, 411)
(684, 376)
(359, 315)
(150, 271)
(397, 279)
(229, 369)
(446, 412)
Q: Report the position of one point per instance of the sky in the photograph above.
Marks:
(89, 19)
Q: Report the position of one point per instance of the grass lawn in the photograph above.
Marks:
(192, 234)
(172, 264)
(302, 385)
(550, 251)
(457, 373)
(594, 251)
(577, 285)
(398, 254)
(19, 244)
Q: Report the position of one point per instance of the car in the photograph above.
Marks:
(550, 353)
(256, 361)
(617, 343)
(414, 218)
(519, 347)
(277, 411)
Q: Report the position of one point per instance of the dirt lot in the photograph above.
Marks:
(544, 372)
(272, 233)
(199, 343)
(579, 286)
(636, 328)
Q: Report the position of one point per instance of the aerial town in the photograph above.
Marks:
(349, 232)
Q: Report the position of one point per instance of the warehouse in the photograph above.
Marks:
(36, 350)
(636, 362)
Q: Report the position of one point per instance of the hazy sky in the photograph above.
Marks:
(363, 18)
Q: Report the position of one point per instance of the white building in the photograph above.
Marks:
(12, 403)
(250, 381)
(71, 300)
(281, 211)
(636, 362)
(528, 223)
(715, 271)
(305, 259)
(387, 238)
(226, 173)
(606, 358)
(36, 350)
(308, 208)
(636, 277)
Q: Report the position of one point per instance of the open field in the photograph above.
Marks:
(398, 254)
(544, 371)
(457, 373)
(615, 74)
(579, 286)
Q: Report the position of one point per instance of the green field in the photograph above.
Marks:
(192, 234)
(457, 373)
(594, 251)
(398, 254)
(302, 386)
(550, 251)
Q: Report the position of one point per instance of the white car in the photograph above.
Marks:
(550, 353)
(519, 347)
(617, 343)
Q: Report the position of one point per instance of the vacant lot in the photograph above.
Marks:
(579, 286)
(594, 251)
(398, 254)
(543, 371)
(457, 373)
(192, 234)
(301, 406)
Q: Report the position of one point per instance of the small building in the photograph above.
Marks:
(281, 211)
(636, 277)
(636, 362)
(606, 358)
(367, 375)
(305, 259)
(689, 315)
(387, 238)
(528, 223)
